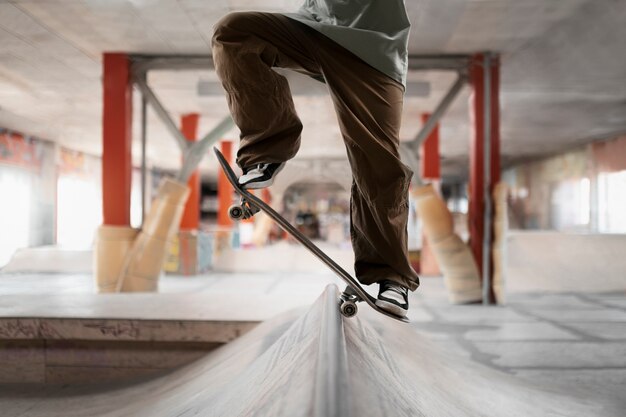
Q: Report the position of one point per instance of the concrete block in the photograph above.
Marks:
(122, 354)
(22, 361)
(94, 375)
(19, 328)
(144, 330)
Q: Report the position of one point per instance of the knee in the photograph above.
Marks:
(234, 22)
(387, 189)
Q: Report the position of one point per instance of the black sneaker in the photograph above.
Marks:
(260, 175)
(393, 298)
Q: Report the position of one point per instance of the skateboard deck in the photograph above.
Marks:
(251, 204)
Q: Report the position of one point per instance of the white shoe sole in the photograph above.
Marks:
(391, 308)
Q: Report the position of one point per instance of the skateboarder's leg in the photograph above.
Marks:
(369, 106)
(246, 45)
(379, 240)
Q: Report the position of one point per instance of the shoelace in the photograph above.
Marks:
(257, 167)
(396, 288)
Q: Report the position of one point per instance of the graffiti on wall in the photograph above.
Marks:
(19, 151)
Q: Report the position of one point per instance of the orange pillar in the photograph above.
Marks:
(429, 153)
(191, 215)
(485, 121)
(266, 196)
(224, 189)
(116, 139)
(429, 170)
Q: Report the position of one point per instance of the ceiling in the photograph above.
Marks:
(563, 71)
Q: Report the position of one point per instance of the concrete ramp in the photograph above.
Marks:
(311, 363)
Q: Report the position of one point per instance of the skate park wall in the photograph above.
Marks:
(565, 262)
(313, 363)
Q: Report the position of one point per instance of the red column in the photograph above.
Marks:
(116, 139)
(429, 153)
(266, 196)
(485, 119)
(224, 189)
(191, 215)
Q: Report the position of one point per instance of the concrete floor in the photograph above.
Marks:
(223, 296)
(574, 342)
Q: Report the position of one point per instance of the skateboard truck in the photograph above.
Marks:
(242, 211)
(347, 303)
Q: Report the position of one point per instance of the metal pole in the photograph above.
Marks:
(448, 62)
(442, 62)
(439, 112)
(144, 111)
(144, 63)
(192, 156)
(162, 113)
(487, 180)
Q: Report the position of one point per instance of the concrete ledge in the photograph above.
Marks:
(86, 338)
(51, 350)
(42, 314)
(90, 362)
(122, 330)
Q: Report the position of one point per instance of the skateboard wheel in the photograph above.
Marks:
(348, 308)
(236, 212)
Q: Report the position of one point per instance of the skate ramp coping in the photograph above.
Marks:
(312, 363)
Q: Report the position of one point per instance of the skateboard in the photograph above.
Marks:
(250, 204)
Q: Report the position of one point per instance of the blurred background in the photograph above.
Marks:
(561, 105)
(558, 210)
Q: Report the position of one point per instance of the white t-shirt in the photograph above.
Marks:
(377, 31)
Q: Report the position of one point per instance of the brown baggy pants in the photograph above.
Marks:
(246, 45)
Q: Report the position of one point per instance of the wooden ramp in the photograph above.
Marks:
(311, 363)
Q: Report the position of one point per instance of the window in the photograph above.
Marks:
(79, 211)
(612, 202)
(15, 208)
(570, 205)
